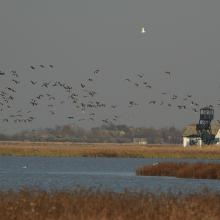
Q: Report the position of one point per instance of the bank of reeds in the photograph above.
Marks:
(181, 170)
(90, 205)
(67, 149)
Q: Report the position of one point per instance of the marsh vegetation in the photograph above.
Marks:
(96, 205)
(69, 149)
(181, 170)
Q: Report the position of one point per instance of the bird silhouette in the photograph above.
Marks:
(96, 71)
(15, 81)
(33, 82)
(83, 85)
(152, 102)
(143, 31)
(70, 117)
(140, 75)
(168, 72)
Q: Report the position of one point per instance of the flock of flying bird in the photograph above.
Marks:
(84, 100)
(188, 101)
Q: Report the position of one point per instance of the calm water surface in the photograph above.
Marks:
(114, 174)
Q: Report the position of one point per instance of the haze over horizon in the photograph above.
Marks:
(79, 37)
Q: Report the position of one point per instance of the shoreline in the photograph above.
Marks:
(70, 149)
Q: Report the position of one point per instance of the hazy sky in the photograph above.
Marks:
(80, 36)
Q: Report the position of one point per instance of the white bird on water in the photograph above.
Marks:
(155, 163)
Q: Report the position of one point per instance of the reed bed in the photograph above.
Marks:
(181, 170)
(84, 204)
(68, 149)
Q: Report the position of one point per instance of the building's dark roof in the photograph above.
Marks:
(190, 130)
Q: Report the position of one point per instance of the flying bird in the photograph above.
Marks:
(70, 117)
(15, 81)
(143, 31)
(14, 73)
(45, 84)
(52, 112)
(140, 75)
(32, 82)
(83, 86)
(149, 86)
(152, 102)
(195, 110)
(168, 73)
(40, 96)
(11, 89)
(96, 71)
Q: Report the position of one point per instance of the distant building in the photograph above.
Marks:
(141, 141)
(191, 137)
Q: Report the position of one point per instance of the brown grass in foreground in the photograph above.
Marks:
(67, 149)
(181, 170)
(88, 205)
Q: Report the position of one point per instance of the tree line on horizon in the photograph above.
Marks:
(106, 133)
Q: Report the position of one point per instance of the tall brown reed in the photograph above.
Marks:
(89, 205)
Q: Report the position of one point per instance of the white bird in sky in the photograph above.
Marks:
(143, 30)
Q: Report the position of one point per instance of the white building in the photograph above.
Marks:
(141, 141)
(190, 136)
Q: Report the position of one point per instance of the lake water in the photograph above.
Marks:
(113, 174)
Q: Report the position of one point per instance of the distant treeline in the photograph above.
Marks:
(105, 133)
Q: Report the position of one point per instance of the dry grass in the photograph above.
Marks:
(182, 170)
(90, 205)
(68, 149)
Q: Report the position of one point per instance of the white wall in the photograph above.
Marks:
(185, 141)
(218, 136)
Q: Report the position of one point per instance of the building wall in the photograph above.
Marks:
(141, 141)
(217, 137)
(187, 141)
